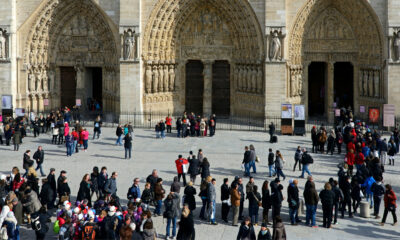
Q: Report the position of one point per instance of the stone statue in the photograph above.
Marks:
(259, 80)
(171, 77)
(160, 79)
(396, 46)
(361, 85)
(166, 78)
(254, 79)
(376, 84)
(2, 46)
(31, 82)
(155, 78)
(299, 83)
(293, 81)
(275, 47)
(240, 78)
(236, 77)
(365, 84)
(129, 43)
(371, 84)
(149, 77)
(247, 78)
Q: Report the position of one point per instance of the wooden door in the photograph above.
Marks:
(194, 87)
(221, 94)
(68, 86)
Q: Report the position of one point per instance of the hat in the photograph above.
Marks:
(111, 211)
(263, 225)
(80, 216)
(52, 169)
(63, 171)
(91, 215)
(67, 205)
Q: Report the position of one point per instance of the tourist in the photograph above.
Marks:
(147, 196)
(311, 200)
(27, 161)
(271, 163)
(119, 133)
(264, 233)
(55, 132)
(194, 166)
(168, 122)
(327, 197)
(69, 143)
(390, 204)
(204, 197)
(42, 219)
(52, 181)
(134, 190)
(175, 185)
(205, 169)
(181, 168)
(179, 127)
(246, 230)
(75, 137)
(314, 139)
(46, 194)
(103, 177)
(253, 157)
(225, 193)
(1, 133)
(293, 201)
(378, 192)
(276, 197)
(297, 158)
(279, 165)
(368, 192)
(279, 232)
(350, 160)
(322, 138)
(211, 198)
(392, 150)
(255, 201)
(266, 201)
(306, 160)
(235, 201)
(94, 183)
(159, 194)
(338, 198)
(39, 157)
(97, 127)
(271, 131)
(111, 186)
(128, 145)
(162, 129)
(186, 225)
(171, 213)
(246, 161)
(84, 190)
(189, 196)
(383, 149)
(85, 137)
(348, 195)
(17, 139)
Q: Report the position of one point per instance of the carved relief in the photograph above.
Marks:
(172, 77)
(129, 43)
(371, 84)
(4, 38)
(296, 81)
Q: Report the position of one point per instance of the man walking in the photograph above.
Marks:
(271, 163)
(306, 160)
(246, 161)
(39, 157)
(297, 158)
(271, 131)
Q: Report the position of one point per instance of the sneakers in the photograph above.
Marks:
(314, 226)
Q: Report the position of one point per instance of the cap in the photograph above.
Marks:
(52, 169)
(63, 171)
(263, 225)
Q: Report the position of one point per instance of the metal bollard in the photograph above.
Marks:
(364, 209)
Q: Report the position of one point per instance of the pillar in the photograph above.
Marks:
(80, 85)
(40, 103)
(329, 92)
(207, 94)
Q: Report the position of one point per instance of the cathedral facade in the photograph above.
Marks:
(228, 57)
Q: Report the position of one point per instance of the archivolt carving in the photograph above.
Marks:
(353, 25)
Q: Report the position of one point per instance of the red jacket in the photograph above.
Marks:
(390, 198)
(16, 185)
(351, 145)
(75, 135)
(359, 158)
(350, 158)
(168, 121)
(179, 162)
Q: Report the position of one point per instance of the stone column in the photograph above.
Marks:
(80, 85)
(40, 103)
(329, 91)
(207, 94)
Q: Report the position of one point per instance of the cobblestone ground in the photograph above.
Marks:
(224, 151)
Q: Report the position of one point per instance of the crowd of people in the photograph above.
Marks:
(97, 211)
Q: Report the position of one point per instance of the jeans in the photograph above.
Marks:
(39, 166)
(293, 213)
(279, 172)
(74, 147)
(162, 133)
(179, 132)
(183, 176)
(211, 211)
(271, 170)
(158, 207)
(128, 150)
(247, 169)
(157, 134)
(370, 198)
(203, 207)
(377, 204)
(305, 169)
(253, 212)
(310, 214)
(253, 165)
(169, 221)
(119, 140)
(85, 144)
(69, 149)
(383, 157)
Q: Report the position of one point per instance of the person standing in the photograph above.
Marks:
(168, 122)
(27, 161)
(390, 204)
(276, 197)
(194, 166)
(162, 129)
(235, 201)
(255, 201)
(246, 230)
(294, 201)
(128, 145)
(327, 199)
(181, 168)
(111, 186)
(271, 163)
(266, 201)
(186, 225)
(75, 137)
(253, 157)
(190, 200)
(51, 179)
(331, 142)
(17, 139)
(314, 139)
(347, 195)
(378, 192)
(264, 233)
(119, 133)
(338, 198)
(171, 213)
(39, 157)
(297, 158)
(211, 198)
(159, 194)
(178, 127)
(246, 161)
(225, 193)
(102, 180)
(311, 200)
(242, 197)
(69, 143)
(306, 160)
(392, 150)
(279, 232)
(84, 190)
(271, 131)
(279, 164)
(97, 127)
(85, 138)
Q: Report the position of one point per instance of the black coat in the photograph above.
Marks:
(119, 131)
(190, 192)
(127, 141)
(39, 156)
(194, 165)
(276, 194)
(267, 236)
(246, 156)
(186, 228)
(246, 232)
(84, 191)
(254, 198)
(51, 179)
(205, 170)
(225, 192)
(271, 158)
(327, 197)
(94, 179)
(46, 194)
(293, 196)
(64, 189)
(266, 199)
(346, 189)
(28, 162)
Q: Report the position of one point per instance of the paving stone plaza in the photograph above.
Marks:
(225, 153)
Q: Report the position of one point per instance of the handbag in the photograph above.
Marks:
(64, 198)
(257, 159)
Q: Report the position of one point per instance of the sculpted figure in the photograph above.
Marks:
(45, 80)
(396, 46)
(149, 76)
(160, 79)
(376, 83)
(240, 78)
(31, 82)
(171, 77)
(2, 46)
(166, 78)
(361, 85)
(259, 80)
(371, 84)
(236, 77)
(293, 83)
(128, 46)
(299, 84)
(254, 79)
(155, 78)
(365, 84)
(275, 47)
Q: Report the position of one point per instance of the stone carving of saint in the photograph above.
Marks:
(365, 84)
(166, 78)
(299, 83)
(247, 79)
(371, 84)
(2, 46)
(376, 83)
(149, 77)
(254, 79)
(155, 78)
(275, 47)
(160, 79)
(45, 80)
(171, 77)
(361, 85)
(240, 78)
(293, 80)
(128, 46)
(259, 80)
(236, 77)
(31, 82)
(396, 46)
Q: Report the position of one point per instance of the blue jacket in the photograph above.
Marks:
(366, 151)
(134, 192)
(368, 184)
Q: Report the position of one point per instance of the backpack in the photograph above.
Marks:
(56, 227)
(88, 233)
(35, 224)
(308, 159)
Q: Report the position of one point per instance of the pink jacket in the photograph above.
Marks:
(66, 129)
(85, 135)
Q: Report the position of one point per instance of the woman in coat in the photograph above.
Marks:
(246, 230)
(350, 160)
(186, 225)
(279, 164)
(194, 165)
(266, 201)
(205, 169)
(16, 140)
(190, 192)
(327, 197)
(279, 232)
(84, 189)
(31, 202)
(32, 180)
(390, 204)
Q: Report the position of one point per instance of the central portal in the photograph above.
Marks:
(316, 89)
(194, 87)
(221, 97)
(343, 85)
